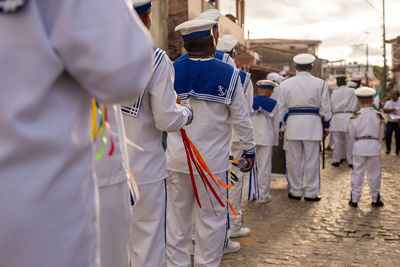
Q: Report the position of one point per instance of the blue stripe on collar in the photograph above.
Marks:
(267, 87)
(196, 35)
(144, 8)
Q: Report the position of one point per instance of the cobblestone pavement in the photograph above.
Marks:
(288, 232)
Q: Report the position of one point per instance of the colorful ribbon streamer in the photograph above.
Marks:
(193, 156)
(103, 128)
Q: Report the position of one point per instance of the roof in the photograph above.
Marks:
(284, 41)
(266, 69)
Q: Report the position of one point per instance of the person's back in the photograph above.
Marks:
(304, 92)
(366, 132)
(55, 62)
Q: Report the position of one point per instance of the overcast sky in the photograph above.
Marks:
(339, 24)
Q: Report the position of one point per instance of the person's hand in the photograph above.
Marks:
(281, 135)
(251, 164)
(178, 99)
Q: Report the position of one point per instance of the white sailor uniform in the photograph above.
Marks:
(213, 89)
(154, 112)
(304, 98)
(265, 120)
(343, 104)
(366, 129)
(57, 58)
(235, 194)
(112, 180)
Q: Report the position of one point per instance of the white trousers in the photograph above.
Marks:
(303, 167)
(343, 148)
(235, 194)
(210, 230)
(115, 217)
(373, 167)
(148, 226)
(264, 158)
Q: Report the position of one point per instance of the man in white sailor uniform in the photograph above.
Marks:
(112, 172)
(343, 104)
(213, 14)
(155, 111)
(57, 56)
(305, 99)
(366, 129)
(227, 45)
(213, 88)
(265, 120)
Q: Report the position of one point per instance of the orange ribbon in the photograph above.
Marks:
(193, 156)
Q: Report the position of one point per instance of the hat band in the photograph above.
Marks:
(144, 8)
(196, 35)
(267, 87)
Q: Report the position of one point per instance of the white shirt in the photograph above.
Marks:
(211, 131)
(304, 91)
(266, 128)
(55, 56)
(159, 112)
(343, 104)
(111, 170)
(390, 105)
(366, 132)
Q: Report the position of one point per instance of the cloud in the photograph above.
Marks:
(339, 24)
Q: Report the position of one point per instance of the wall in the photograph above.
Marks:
(178, 13)
(159, 27)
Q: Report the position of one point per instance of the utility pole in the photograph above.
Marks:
(384, 51)
(367, 68)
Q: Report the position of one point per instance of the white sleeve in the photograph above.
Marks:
(325, 109)
(241, 123)
(249, 95)
(352, 131)
(168, 115)
(103, 46)
(275, 123)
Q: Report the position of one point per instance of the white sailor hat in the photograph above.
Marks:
(266, 84)
(273, 76)
(227, 43)
(365, 92)
(352, 84)
(304, 59)
(196, 28)
(141, 5)
(211, 14)
(356, 78)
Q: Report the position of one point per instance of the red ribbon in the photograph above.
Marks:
(193, 156)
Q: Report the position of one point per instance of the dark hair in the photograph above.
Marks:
(199, 44)
(303, 67)
(340, 81)
(365, 99)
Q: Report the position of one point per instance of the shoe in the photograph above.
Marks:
(268, 199)
(294, 197)
(243, 231)
(351, 166)
(342, 160)
(353, 204)
(335, 164)
(387, 152)
(377, 204)
(313, 199)
(232, 247)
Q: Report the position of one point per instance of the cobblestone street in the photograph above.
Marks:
(326, 233)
